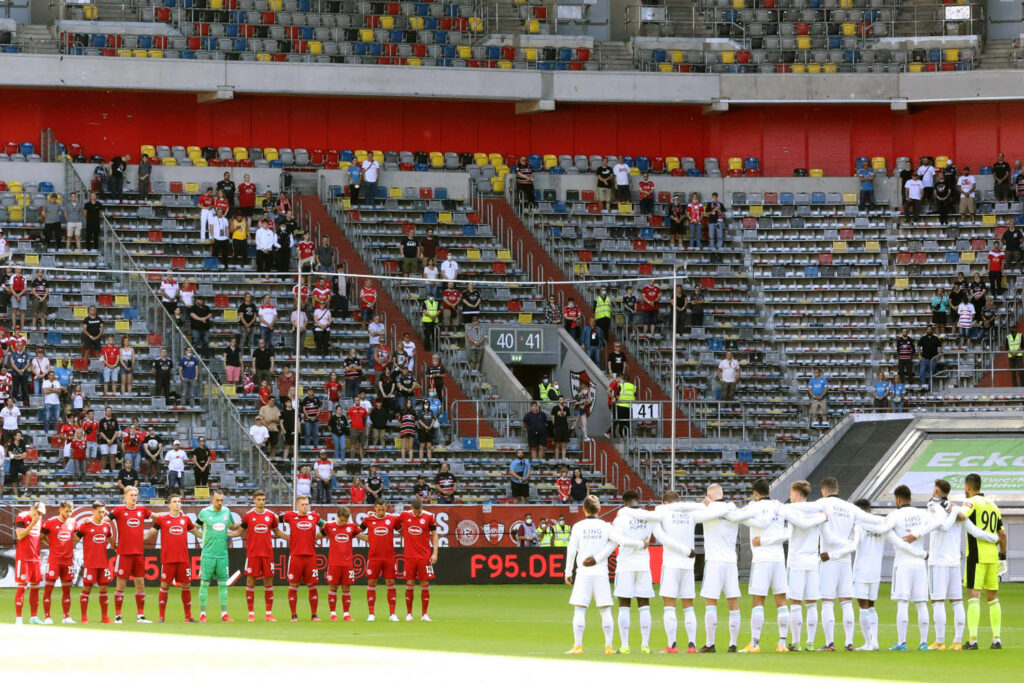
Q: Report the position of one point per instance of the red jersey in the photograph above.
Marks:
(322, 294)
(94, 543)
(358, 495)
(221, 204)
(695, 211)
(451, 297)
(564, 486)
(174, 537)
(381, 356)
(306, 249)
(65, 431)
(205, 201)
(357, 417)
(264, 393)
(111, 355)
(302, 532)
(5, 384)
(571, 313)
(132, 439)
(333, 390)
(380, 535)
(416, 534)
(995, 261)
(646, 188)
(18, 283)
(259, 527)
(28, 547)
(651, 294)
(91, 429)
(247, 194)
(131, 528)
(367, 296)
(339, 539)
(78, 449)
(60, 534)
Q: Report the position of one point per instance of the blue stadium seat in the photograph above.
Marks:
(693, 172)
(537, 161)
(659, 56)
(46, 187)
(469, 230)
(810, 271)
(440, 193)
(493, 52)
(817, 198)
(786, 198)
(565, 54)
(347, 155)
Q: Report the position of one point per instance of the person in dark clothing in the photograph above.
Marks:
(536, 423)
(163, 367)
(1001, 177)
(524, 182)
(1013, 240)
(675, 218)
(930, 346)
(118, 166)
(943, 200)
(93, 211)
(201, 457)
(905, 356)
(227, 186)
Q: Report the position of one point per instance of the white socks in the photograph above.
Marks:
(922, 621)
(902, 620)
(671, 625)
(734, 626)
(783, 617)
(828, 621)
(812, 624)
(939, 615)
(710, 625)
(959, 620)
(847, 607)
(645, 626)
(796, 620)
(579, 622)
(607, 625)
(690, 622)
(873, 626)
(624, 627)
(756, 624)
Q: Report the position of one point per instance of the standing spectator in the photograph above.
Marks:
(285, 382)
(207, 212)
(259, 433)
(227, 186)
(728, 376)
(421, 489)
(450, 268)
(645, 188)
(247, 196)
(169, 292)
(695, 306)
(965, 183)
(913, 190)
(17, 285)
(950, 175)
(882, 390)
(378, 352)
(429, 245)
(91, 428)
(524, 182)
(476, 340)
(621, 171)
(977, 292)
(357, 492)
(603, 312)
(867, 186)
(519, 470)
(563, 484)
(322, 320)
(77, 449)
(605, 184)
(409, 253)
(430, 317)
(451, 299)
(898, 393)
(1014, 353)
(940, 308)
(272, 419)
(118, 166)
(1017, 170)
(579, 488)
(695, 216)
(527, 535)
(407, 430)
(629, 309)
(357, 419)
(675, 217)
(240, 240)
(434, 375)
(905, 355)
(571, 319)
(247, 315)
(930, 347)
(73, 215)
(283, 231)
(268, 318)
(145, 174)
(176, 459)
(310, 419)
(1001, 177)
(200, 460)
(651, 302)
(40, 366)
(817, 389)
(536, 423)
(93, 216)
(681, 311)
(552, 313)
(376, 484)
(353, 373)
(232, 362)
(52, 215)
(446, 484)
(715, 213)
(1013, 240)
(370, 169)
(425, 424)
(617, 360)
(593, 342)
(188, 372)
(109, 434)
(132, 439)
(943, 200)
(126, 365)
(470, 304)
(40, 297)
(162, 369)
(21, 373)
(965, 314)
(355, 172)
(926, 173)
(127, 476)
(323, 470)
(996, 257)
(560, 427)
(267, 246)
(17, 464)
(11, 415)
(368, 300)
(201, 315)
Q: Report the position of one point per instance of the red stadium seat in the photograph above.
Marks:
(587, 195)
(639, 245)
(426, 193)
(825, 259)
(664, 197)
(176, 187)
(656, 221)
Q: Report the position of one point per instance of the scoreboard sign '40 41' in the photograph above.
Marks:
(524, 344)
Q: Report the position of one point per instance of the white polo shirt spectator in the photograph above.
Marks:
(169, 290)
(52, 397)
(370, 169)
(299, 319)
(10, 417)
(730, 369)
(621, 172)
(176, 458)
(966, 184)
(915, 189)
(450, 268)
(258, 433)
(926, 173)
(268, 314)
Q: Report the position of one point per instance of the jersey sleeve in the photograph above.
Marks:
(362, 525)
(245, 521)
(189, 524)
(282, 518)
(199, 518)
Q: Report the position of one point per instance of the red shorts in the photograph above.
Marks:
(302, 569)
(341, 576)
(259, 567)
(380, 569)
(418, 569)
(96, 576)
(28, 572)
(59, 571)
(129, 566)
(180, 572)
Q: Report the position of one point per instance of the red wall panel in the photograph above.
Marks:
(785, 145)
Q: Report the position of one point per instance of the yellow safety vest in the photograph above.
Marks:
(543, 391)
(561, 533)
(627, 394)
(603, 308)
(430, 311)
(1013, 344)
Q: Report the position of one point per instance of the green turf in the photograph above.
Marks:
(535, 621)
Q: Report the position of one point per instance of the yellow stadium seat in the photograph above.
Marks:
(872, 246)
(360, 154)
(495, 159)
(191, 188)
(316, 47)
(756, 210)
(735, 164)
(91, 12)
(31, 259)
(416, 23)
(625, 208)
(803, 42)
(463, 51)
(498, 184)
(903, 283)
(486, 443)
(798, 68)
(122, 326)
(148, 150)
(216, 4)
(230, 315)
(480, 159)
(504, 255)
(737, 4)
(878, 163)
(80, 312)
(444, 217)
(671, 163)
(241, 153)
(829, 68)
(675, 56)
(194, 150)
(533, 26)
(156, 54)
(476, 24)
(473, 255)
(15, 186)
(849, 198)
(200, 162)
(526, 318)
(270, 153)
(414, 61)
(839, 247)
(437, 162)
(967, 257)
(849, 28)
(550, 161)
(530, 54)
(634, 171)
(366, 35)
(816, 173)
(665, 68)
(262, 56)
(953, 54)
(15, 213)
(988, 219)
(275, 5)
(814, 68)
(941, 161)
(124, 52)
(580, 268)
(395, 192)
(122, 300)
(728, 56)
(846, 4)
(387, 22)
(916, 67)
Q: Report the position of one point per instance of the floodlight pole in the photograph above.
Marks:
(298, 386)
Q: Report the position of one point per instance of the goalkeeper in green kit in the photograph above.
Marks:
(216, 525)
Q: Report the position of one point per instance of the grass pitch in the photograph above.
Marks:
(534, 621)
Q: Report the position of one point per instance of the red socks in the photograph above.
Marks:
(140, 602)
(332, 600)
(250, 597)
(314, 600)
(163, 602)
(83, 599)
(65, 600)
(118, 602)
(186, 601)
(47, 593)
(392, 598)
(410, 596)
(371, 598)
(346, 602)
(103, 603)
(293, 599)
(268, 597)
(19, 600)
(424, 599)
(33, 600)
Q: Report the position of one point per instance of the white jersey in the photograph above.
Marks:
(675, 527)
(592, 537)
(906, 521)
(804, 535)
(867, 566)
(840, 523)
(764, 517)
(720, 533)
(946, 543)
(637, 529)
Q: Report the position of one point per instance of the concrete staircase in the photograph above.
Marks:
(686, 18)
(615, 56)
(919, 18)
(998, 54)
(36, 38)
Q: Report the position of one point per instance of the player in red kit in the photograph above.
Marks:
(419, 538)
(380, 528)
(129, 522)
(302, 532)
(174, 528)
(96, 534)
(340, 566)
(260, 525)
(27, 570)
(59, 533)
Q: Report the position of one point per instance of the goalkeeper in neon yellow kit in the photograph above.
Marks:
(217, 524)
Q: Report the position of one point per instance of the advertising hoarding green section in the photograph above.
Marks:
(1000, 462)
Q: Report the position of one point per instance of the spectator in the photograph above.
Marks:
(268, 318)
(425, 423)
(450, 268)
(162, 369)
(11, 415)
(913, 190)
(988, 319)
(429, 318)
(409, 252)
(949, 174)
(386, 391)
(470, 304)
(451, 298)
(563, 484)
(77, 451)
(977, 291)
(603, 312)
(126, 365)
(593, 341)
(1017, 170)
(527, 532)
(267, 246)
(219, 233)
(227, 188)
(323, 470)
(943, 193)
(132, 439)
(284, 230)
(246, 197)
(108, 436)
(52, 215)
(1012, 240)
(21, 373)
(552, 313)
(357, 492)
(325, 257)
(695, 217)
(310, 419)
(446, 485)
(338, 427)
(898, 393)
(370, 168)
(965, 183)
(605, 184)
(867, 186)
(536, 423)
(240, 240)
(429, 245)
(73, 215)
(621, 171)
(127, 475)
(1001, 177)
(407, 429)
(111, 366)
(930, 347)
(39, 294)
(262, 362)
(996, 257)
(940, 309)
(303, 481)
(629, 309)
(728, 376)
(200, 459)
(18, 287)
(376, 330)
(434, 376)
(905, 355)
(188, 372)
(232, 362)
(651, 303)
(93, 211)
(91, 428)
(176, 459)
(40, 368)
(406, 384)
(353, 373)
(560, 427)
(695, 306)
(187, 299)
(571, 319)
(476, 341)
(322, 320)
(675, 217)
(375, 485)
(645, 189)
(150, 455)
(421, 489)
(681, 311)
(524, 182)
(169, 292)
(368, 300)
(1018, 180)
(409, 351)
(882, 391)
(357, 418)
(259, 433)
(247, 316)
(926, 172)
(817, 389)
(431, 285)
(965, 313)
(715, 213)
(118, 166)
(519, 470)
(51, 401)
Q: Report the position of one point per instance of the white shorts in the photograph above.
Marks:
(720, 578)
(74, 229)
(633, 584)
(945, 583)
(835, 580)
(677, 582)
(590, 587)
(108, 449)
(910, 583)
(767, 576)
(803, 584)
(866, 591)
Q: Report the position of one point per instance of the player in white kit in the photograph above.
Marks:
(721, 575)
(804, 534)
(768, 565)
(592, 541)
(633, 572)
